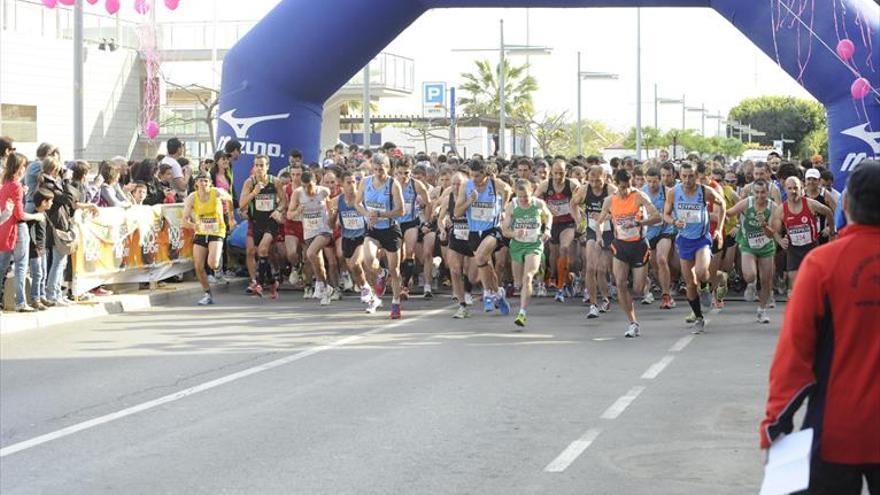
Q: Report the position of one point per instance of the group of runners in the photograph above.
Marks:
(578, 228)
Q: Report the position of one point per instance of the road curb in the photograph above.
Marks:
(120, 303)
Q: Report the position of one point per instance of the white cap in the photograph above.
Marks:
(813, 174)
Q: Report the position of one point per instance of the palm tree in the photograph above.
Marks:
(351, 107)
(482, 91)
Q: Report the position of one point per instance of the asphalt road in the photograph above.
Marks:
(259, 396)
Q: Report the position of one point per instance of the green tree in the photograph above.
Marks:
(549, 132)
(792, 117)
(652, 138)
(815, 142)
(595, 135)
(481, 91)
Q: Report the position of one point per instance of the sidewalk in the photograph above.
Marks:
(11, 322)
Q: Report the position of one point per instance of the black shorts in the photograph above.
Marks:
(794, 255)
(729, 242)
(634, 253)
(349, 245)
(460, 246)
(389, 239)
(260, 230)
(652, 243)
(607, 237)
(559, 228)
(476, 238)
(412, 224)
(205, 239)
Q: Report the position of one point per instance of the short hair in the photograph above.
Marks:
(140, 185)
(43, 150)
(345, 175)
(760, 182)
(42, 194)
(653, 172)
(388, 146)
(525, 161)
(826, 174)
(232, 145)
(261, 157)
(5, 145)
(668, 166)
(622, 175)
(686, 166)
(295, 153)
(80, 170)
(109, 172)
(163, 168)
(523, 185)
(173, 146)
(862, 200)
(477, 166)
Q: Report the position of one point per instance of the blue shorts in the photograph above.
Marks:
(688, 248)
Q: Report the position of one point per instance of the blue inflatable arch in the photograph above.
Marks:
(277, 78)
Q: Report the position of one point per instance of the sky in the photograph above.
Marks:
(692, 52)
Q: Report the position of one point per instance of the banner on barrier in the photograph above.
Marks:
(130, 245)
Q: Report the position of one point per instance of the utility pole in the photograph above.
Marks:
(366, 106)
(78, 140)
(501, 95)
(638, 84)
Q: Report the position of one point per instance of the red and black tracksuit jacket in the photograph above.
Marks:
(829, 351)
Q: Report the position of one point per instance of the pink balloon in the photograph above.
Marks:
(92, 2)
(141, 6)
(50, 3)
(112, 6)
(845, 49)
(152, 129)
(67, 2)
(860, 88)
(172, 4)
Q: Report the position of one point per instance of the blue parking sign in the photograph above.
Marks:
(434, 93)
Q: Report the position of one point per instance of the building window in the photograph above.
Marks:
(19, 122)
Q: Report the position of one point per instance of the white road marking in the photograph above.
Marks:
(682, 343)
(657, 368)
(70, 430)
(572, 452)
(622, 403)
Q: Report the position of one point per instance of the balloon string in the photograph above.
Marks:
(831, 50)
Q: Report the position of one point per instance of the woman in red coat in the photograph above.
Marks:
(14, 237)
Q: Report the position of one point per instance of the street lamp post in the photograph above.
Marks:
(718, 117)
(702, 110)
(581, 75)
(638, 84)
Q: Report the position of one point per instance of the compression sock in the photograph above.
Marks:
(561, 272)
(695, 306)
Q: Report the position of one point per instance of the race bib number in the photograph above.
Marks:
(461, 231)
(209, 225)
(311, 223)
(265, 202)
(560, 208)
(526, 231)
(377, 207)
(483, 212)
(689, 213)
(801, 235)
(593, 223)
(627, 228)
(352, 222)
(757, 240)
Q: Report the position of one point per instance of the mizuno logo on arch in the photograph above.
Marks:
(241, 126)
(861, 132)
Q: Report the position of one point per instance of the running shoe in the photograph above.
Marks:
(772, 303)
(326, 295)
(373, 305)
(718, 305)
(750, 293)
(462, 313)
(488, 303)
(520, 320)
(258, 290)
(250, 288)
(699, 326)
(366, 295)
(559, 297)
(395, 311)
(706, 297)
(648, 299)
(294, 276)
(337, 294)
(24, 308)
(542, 290)
(212, 280)
(308, 291)
(206, 300)
(468, 299)
(762, 316)
(633, 331)
(691, 318)
(594, 312)
(428, 295)
(586, 296)
(605, 305)
(503, 305)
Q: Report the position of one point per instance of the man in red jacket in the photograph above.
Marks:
(829, 349)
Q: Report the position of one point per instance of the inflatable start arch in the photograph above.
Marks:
(277, 78)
